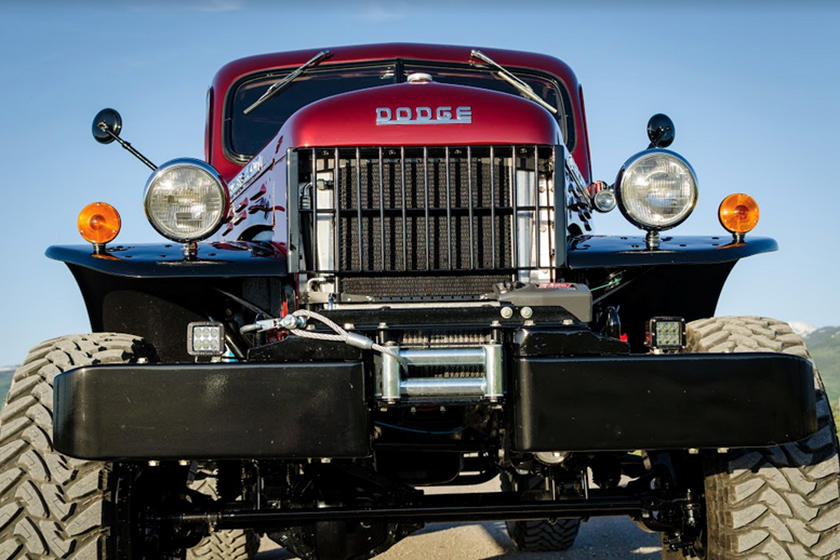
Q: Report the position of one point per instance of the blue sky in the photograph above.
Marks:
(751, 87)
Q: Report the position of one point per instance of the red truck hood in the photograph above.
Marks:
(420, 114)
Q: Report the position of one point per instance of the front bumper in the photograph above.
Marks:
(210, 411)
(306, 410)
(673, 401)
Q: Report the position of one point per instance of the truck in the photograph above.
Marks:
(384, 278)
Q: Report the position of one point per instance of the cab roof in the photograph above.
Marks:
(383, 51)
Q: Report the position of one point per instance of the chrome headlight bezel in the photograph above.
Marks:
(621, 187)
(198, 166)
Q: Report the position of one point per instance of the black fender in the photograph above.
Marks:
(153, 291)
(603, 251)
(166, 260)
(684, 277)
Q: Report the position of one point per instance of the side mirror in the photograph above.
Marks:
(660, 130)
(106, 126)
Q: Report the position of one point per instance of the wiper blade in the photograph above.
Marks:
(508, 76)
(286, 80)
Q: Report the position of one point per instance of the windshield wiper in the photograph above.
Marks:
(286, 80)
(506, 75)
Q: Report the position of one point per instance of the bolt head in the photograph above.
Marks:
(506, 312)
(526, 312)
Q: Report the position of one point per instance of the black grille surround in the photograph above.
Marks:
(418, 223)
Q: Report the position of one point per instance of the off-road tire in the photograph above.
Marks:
(222, 545)
(776, 503)
(541, 536)
(53, 506)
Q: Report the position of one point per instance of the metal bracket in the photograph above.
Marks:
(393, 386)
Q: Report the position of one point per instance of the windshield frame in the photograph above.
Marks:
(566, 111)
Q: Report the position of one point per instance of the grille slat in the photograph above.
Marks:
(513, 196)
(427, 210)
(426, 203)
(313, 201)
(492, 167)
(361, 247)
(448, 214)
(403, 206)
(537, 233)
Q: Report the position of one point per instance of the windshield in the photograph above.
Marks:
(245, 135)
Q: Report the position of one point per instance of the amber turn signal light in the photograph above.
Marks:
(99, 223)
(738, 214)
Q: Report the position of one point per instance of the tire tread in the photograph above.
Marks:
(781, 502)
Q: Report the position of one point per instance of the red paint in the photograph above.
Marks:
(350, 119)
(231, 72)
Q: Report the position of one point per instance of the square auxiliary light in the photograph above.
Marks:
(205, 339)
(665, 334)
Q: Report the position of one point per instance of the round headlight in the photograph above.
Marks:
(186, 200)
(657, 189)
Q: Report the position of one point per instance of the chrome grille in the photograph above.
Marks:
(482, 211)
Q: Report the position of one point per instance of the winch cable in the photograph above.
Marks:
(296, 321)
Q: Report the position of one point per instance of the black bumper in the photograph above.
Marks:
(311, 410)
(188, 411)
(663, 402)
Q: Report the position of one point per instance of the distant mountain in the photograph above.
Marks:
(802, 329)
(6, 373)
(824, 346)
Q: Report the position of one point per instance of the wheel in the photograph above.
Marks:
(539, 536)
(53, 506)
(226, 545)
(222, 545)
(777, 503)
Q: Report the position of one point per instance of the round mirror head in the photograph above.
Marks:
(660, 130)
(106, 120)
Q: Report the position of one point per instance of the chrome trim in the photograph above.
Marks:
(444, 356)
(635, 159)
(604, 201)
(202, 166)
(434, 387)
